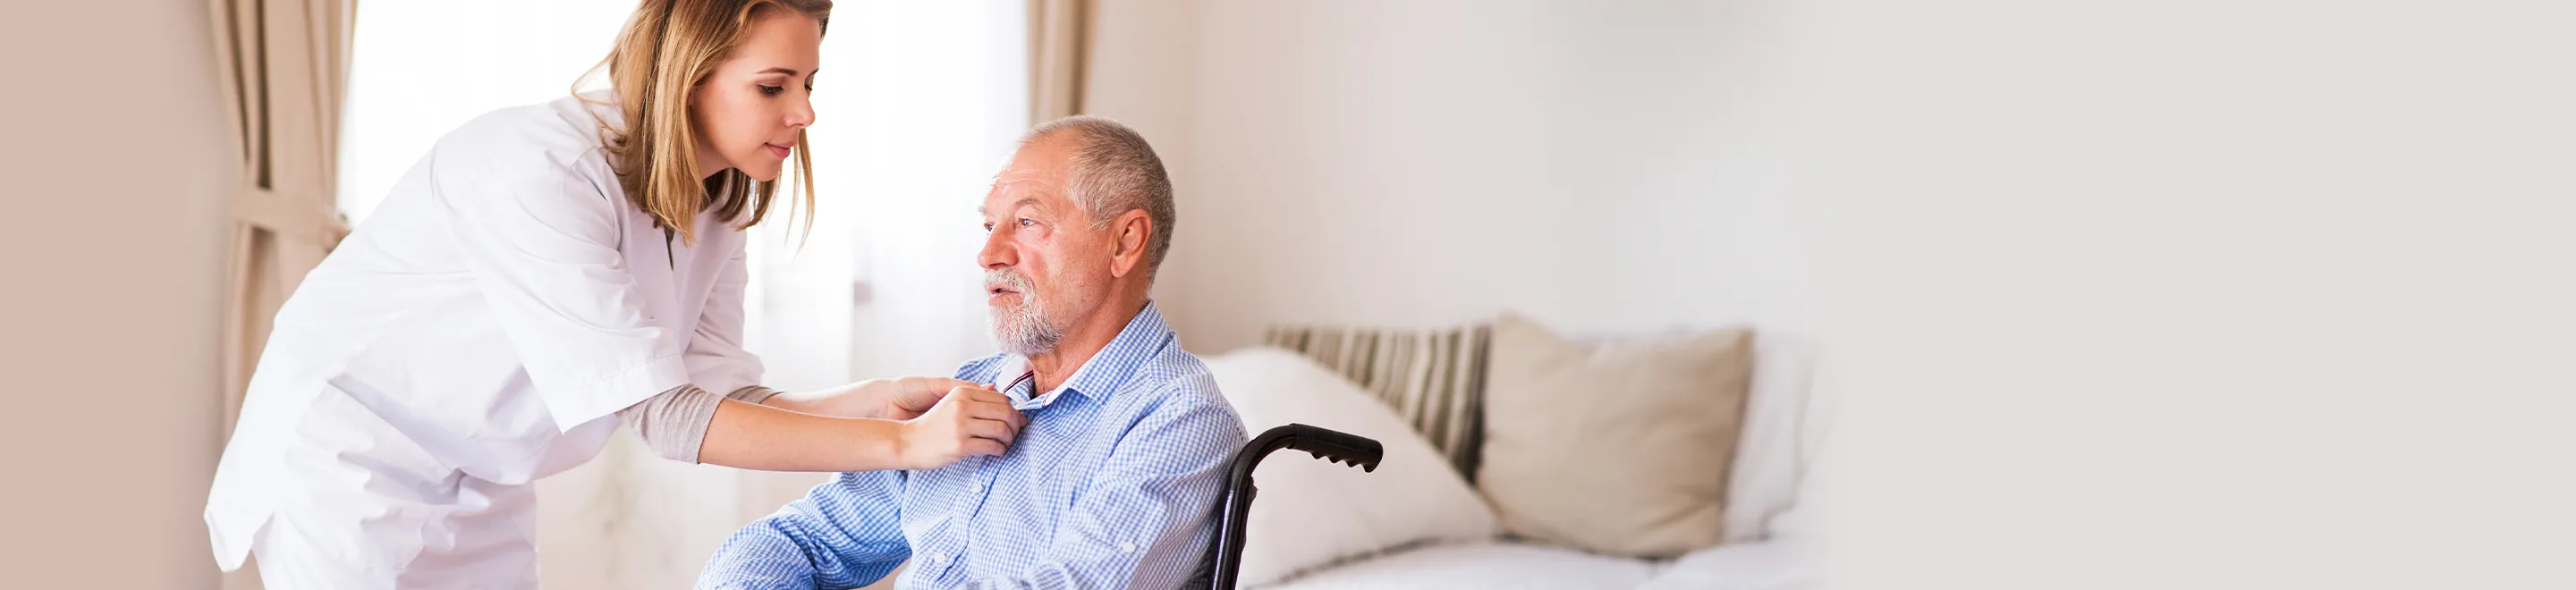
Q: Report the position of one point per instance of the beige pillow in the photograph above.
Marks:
(1619, 448)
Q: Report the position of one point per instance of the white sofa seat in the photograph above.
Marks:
(1760, 565)
(1764, 565)
(1481, 564)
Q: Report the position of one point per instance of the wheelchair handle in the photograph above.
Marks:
(1225, 554)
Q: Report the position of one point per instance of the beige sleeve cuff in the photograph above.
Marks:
(753, 394)
(674, 423)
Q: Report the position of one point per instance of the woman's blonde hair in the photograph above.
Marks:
(667, 48)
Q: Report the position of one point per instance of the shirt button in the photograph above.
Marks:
(979, 487)
(1126, 547)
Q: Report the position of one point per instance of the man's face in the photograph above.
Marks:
(1045, 266)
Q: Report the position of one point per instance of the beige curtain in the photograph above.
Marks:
(283, 65)
(1059, 47)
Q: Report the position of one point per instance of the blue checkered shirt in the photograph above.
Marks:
(1112, 484)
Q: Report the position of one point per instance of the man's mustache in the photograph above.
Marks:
(1006, 279)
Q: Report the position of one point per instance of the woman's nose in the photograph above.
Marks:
(802, 114)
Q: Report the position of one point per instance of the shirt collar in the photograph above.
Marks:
(1099, 375)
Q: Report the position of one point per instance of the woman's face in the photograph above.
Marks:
(749, 111)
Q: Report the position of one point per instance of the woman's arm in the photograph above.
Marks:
(893, 399)
(964, 422)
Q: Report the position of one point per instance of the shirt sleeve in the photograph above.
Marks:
(845, 533)
(716, 359)
(1147, 518)
(540, 240)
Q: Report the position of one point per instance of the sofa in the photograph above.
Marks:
(1426, 519)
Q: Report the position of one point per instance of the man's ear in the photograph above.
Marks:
(1130, 232)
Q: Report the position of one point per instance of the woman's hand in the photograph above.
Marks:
(966, 421)
(902, 398)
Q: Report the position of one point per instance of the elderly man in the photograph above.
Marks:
(1114, 481)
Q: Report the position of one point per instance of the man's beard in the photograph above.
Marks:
(1025, 329)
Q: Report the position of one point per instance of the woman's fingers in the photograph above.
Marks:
(1000, 414)
(915, 395)
(966, 422)
(991, 409)
(935, 385)
(979, 393)
(914, 402)
(1004, 413)
(995, 430)
(988, 404)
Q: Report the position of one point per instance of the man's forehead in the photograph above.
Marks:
(1034, 177)
(1013, 192)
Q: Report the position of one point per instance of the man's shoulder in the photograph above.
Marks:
(1179, 376)
(1177, 382)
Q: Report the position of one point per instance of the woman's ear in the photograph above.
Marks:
(1130, 232)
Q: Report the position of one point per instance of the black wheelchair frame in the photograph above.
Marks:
(1225, 551)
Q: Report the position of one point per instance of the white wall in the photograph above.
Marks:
(2208, 294)
(119, 169)
(1423, 163)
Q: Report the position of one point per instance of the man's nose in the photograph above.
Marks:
(997, 252)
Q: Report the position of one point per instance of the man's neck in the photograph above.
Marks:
(1058, 364)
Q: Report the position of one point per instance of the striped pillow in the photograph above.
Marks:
(1435, 379)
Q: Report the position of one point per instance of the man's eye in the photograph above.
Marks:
(772, 90)
(1026, 222)
(988, 227)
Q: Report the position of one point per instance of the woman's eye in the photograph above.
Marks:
(772, 90)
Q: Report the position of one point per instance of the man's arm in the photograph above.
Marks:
(845, 533)
(1147, 517)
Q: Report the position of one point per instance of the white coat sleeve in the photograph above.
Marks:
(540, 240)
(716, 359)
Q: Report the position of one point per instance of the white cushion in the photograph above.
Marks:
(1482, 565)
(1775, 565)
(1310, 512)
(1772, 458)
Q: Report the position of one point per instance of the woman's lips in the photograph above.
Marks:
(775, 149)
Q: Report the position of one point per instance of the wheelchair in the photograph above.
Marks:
(1225, 551)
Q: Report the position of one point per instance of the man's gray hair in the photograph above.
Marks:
(1115, 171)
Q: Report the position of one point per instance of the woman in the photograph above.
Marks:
(542, 275)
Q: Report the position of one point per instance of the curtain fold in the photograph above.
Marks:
(1059, 51)
(283, 65)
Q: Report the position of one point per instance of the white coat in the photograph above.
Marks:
(479, 332)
